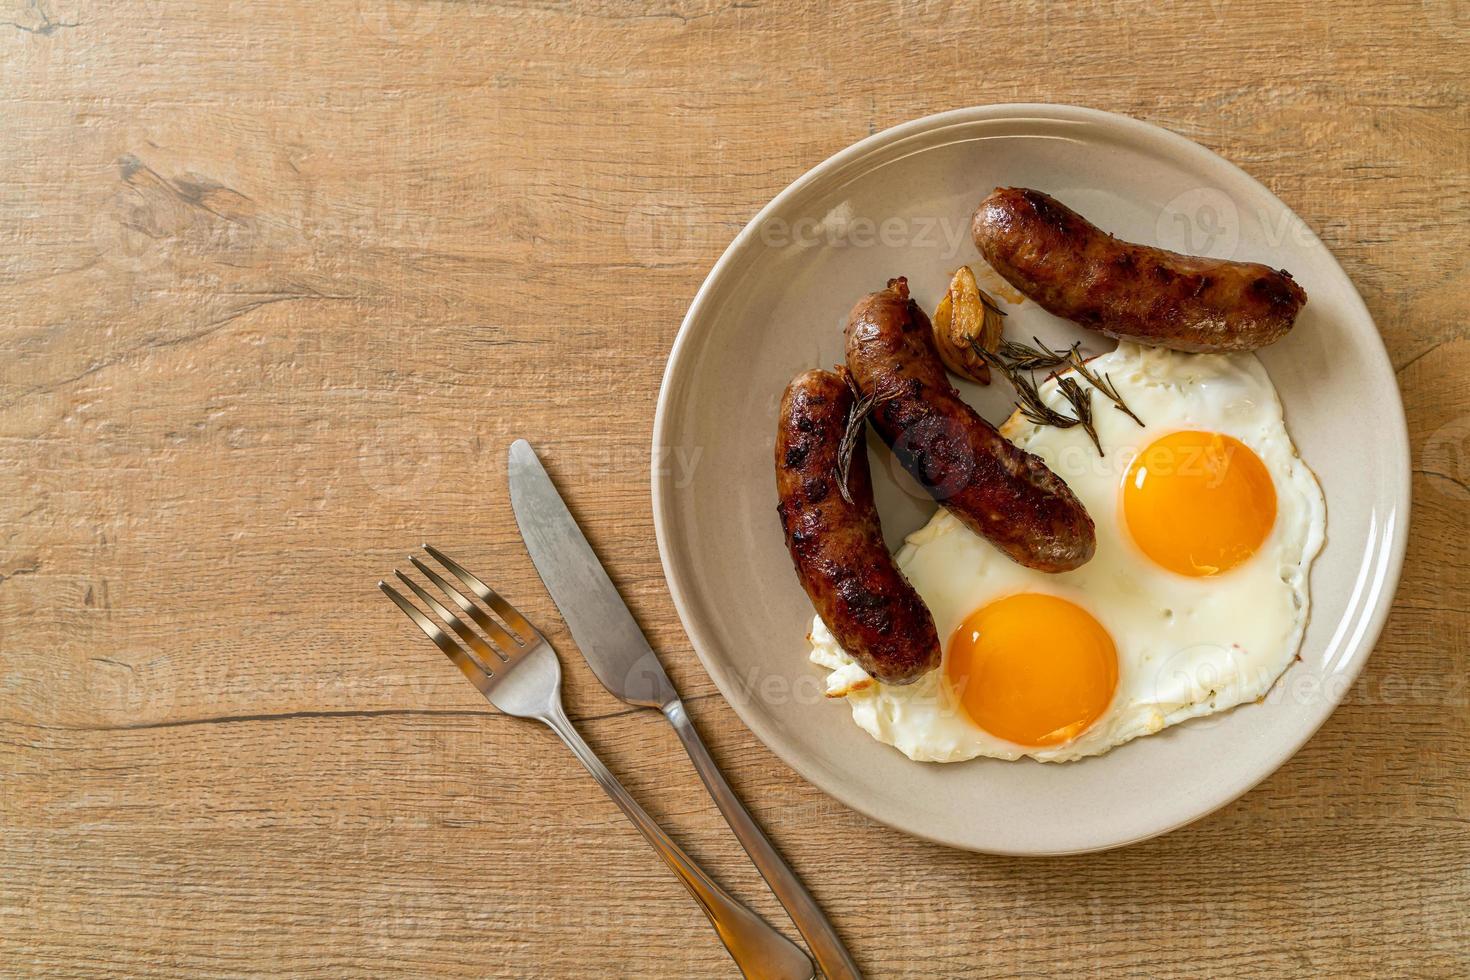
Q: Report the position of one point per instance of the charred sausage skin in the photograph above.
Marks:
(837, 546)
(1073, 269)
(1000, 492)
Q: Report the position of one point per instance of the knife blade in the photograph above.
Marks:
(618, 653)
(601, 624)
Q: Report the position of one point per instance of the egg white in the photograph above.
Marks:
(1186, 646)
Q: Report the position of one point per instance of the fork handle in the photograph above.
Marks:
(831, 955)
(757, 948)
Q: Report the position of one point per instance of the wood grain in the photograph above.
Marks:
(282, 280)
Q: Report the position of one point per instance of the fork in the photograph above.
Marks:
(518, 672)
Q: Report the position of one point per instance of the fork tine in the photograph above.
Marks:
(477, 676)
(489, 656)
(492, 598)
(508, 644)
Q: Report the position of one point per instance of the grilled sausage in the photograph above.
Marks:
(1000, 492)
(837, 545)
(1073, 269)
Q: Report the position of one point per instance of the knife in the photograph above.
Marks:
(619, 654)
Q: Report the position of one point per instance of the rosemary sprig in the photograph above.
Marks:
(1103, 384)
(989, 304)
(1038, 358)
(1028, 397)
(1018, 362)
(1081, 401)
(856, 420)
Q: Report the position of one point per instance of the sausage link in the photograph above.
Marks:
(837, 545)
(1073, 269)
(1000, 492)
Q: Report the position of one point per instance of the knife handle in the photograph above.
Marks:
(758, 949)
(832, 957)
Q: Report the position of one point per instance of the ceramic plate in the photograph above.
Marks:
(899, 203)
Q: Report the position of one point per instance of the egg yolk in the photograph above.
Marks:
(1198, 503)
(1032, 669)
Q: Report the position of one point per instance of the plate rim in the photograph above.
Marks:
(662, 496)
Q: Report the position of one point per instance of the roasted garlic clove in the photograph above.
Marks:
(967, 317)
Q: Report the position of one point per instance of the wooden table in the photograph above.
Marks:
(282, 281)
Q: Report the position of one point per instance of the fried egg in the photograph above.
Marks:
(1195, 601)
